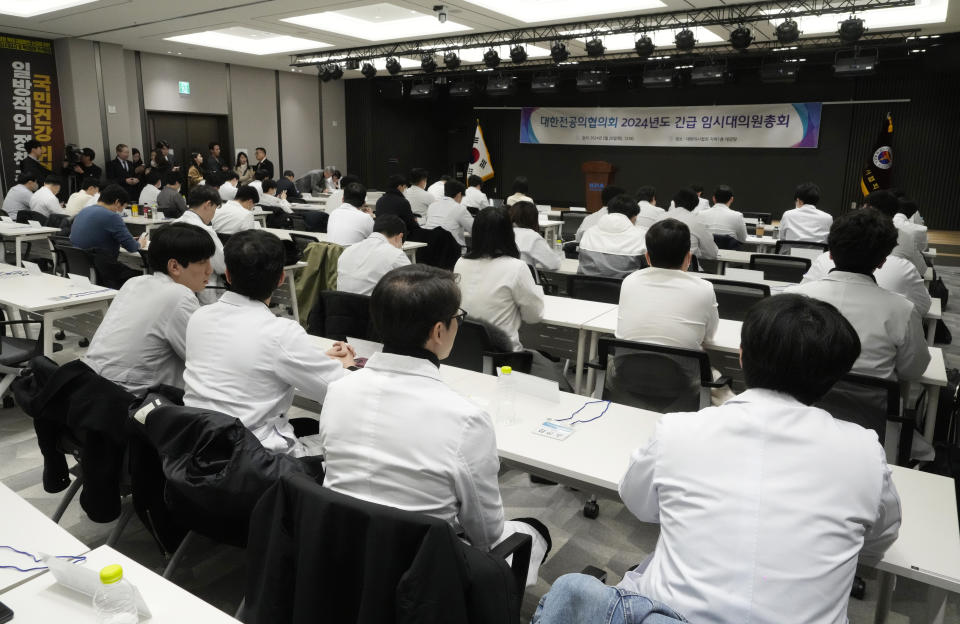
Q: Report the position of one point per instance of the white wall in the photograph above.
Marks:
(300, 128)
(79, 97)
(132, 104)
(334, 125)
(161, 77)
(116, 97)
(254, 93)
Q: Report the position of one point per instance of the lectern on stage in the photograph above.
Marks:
(598, 174)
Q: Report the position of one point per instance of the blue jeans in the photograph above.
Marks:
(582, 599)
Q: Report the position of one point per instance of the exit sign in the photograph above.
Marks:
(184, 87)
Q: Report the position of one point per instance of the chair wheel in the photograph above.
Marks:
(859, 589)
(60, 335)
(591, 509)
(84, 342)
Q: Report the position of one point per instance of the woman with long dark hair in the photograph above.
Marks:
(195, 172)
(534, 249)
(243, 169)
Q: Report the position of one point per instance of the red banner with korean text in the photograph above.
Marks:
(31, 108)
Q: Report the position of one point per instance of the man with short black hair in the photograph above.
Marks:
(142, 339)
(169, 201)
(810, 494)
(393, 202)
(30, 165)
(213, 163)
(450, 214)
(702, 244)
(287, 188)
(151, 189)
(907, 247)
(474, 197)
(649, 212)
(663, 304)
(87, 196)
(228, 188)
(352, 222)
(721, 220)
(85, 168)
(417, 194)
(614, 247)
(271, 197)
(904, 221)
(253, 378)
(18, 198)
(806, 222)
(437, 188)
(101, 226)
(236, 215)
(435, 452)
(263, 165)
(362, 265)
(45, 200)
(609, 192)
(891, 333)
(120, 171)
(702, 202)
(203, 203)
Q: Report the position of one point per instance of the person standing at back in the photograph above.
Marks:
(213, 162)
(417, 194)
(263, 165)
(806, 222)
(450, 214)
(122, 172)
(31, 165)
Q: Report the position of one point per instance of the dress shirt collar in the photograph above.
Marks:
(807, 207)
(415, 352)
(764, 396)
(242, 301)
(836, 275)
(403, 364)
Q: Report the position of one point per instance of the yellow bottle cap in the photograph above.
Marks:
(506, 370)
(111, 574)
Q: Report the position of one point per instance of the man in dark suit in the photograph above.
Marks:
(287, 185)
(213, 163)
(393, 202)
(120, 172)
(263, 165)
(31, 164)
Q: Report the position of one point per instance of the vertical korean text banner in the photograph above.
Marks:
(755, 125)
(31, 108)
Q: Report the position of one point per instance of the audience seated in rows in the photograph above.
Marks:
(614, 247)
(417, 194)
(534, 248)
(170, 202)
(450, 214)
(18, 197)
(361, 265)
(702, 244)
(721, 219)
(45, 199)
(806, 222)
(609, 192)
(352, 221)
(236, 215)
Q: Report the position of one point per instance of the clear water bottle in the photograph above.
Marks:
(506, 415)
(114, 600)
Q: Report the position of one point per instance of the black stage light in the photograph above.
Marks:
(368, 70)
(685, 40)
(851, 29)
(657, 78)
(788, 31)
(352, 64)
(595, 47)
(422, 91)
(325, 74)
(336, 72)
(464, 88)
(491, 59)
(592, 81)
(853, 66)
(545, 83)
(501, 85)
(559, 52)
(451, 60)
(779, 72)
(741, 38)
(393, 65)
(708, 75)
(428, 63)
(518, 54)
(644, 46)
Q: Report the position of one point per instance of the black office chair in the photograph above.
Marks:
(473, 211)
(24, 216)
(336, 315)
(571, 223)
(871, 403)
(297, 222)
(571, 249)
(654, 377)
(301, 241)
(594, 288)
(145, 260)
(780, 268)
(725, 241)
(74, 260)
(16, 353)
(783, 247)
(474, 350)
(315, 221)
(735, 299)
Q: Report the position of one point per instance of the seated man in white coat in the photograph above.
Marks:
(203, 203)
(228, 188)
(474, 196)
(151, 189)
(903, 221)
(614, 247)
(721, 219)
(362, 265)
(45, 200)
(892, 343)
(236, 215)
(395, 434)
(702, 245)
(450, 214)
(142, 339)
(417, 194)
(244, 361)
(908, 246)
(269, 198)
(608, 193)
(806, 222)
(352, 221)
(649, 212)
(756, 524)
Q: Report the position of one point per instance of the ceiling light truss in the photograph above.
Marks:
(731, 15)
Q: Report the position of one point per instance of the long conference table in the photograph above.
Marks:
(596, 455)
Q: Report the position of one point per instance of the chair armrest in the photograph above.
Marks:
(719, 383)
(518, 545)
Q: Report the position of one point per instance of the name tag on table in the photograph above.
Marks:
(33, 223)
(31, 267)
(79, 280)
(577, 209)
(553, 431)
(744, 275)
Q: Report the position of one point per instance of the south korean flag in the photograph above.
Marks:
(480, 164)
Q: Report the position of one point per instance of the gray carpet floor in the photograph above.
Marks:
(615, 541)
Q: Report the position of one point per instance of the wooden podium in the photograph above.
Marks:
(598, 174)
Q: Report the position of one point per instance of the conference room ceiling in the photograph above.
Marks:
(263, 26)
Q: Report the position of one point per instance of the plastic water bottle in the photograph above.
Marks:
(114, 600)
(506, 398)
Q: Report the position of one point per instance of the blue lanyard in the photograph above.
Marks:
(570, 417)
(71, 558)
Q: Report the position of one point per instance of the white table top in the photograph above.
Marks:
(567, 312)
(35, 293)
(548, 223)
(734, 256)
(44, 600)
(315, 199)
(24, 229)
(761, 240)
(26, 528)
(321, 236)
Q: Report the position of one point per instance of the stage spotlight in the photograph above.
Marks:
(423, 91)
(851, 29)
(491, 59)
(708, 75)
(325, 73)
(741, 38)
(644, 46)
(595, 47)
(852, 66)
(559, 52)
(368, 70)
(788, 31)
(336, 72)
(685, 40)
(592, 81)
(464, 88)
(545, 83)
(501, 85)
(451, 60)
(779, 72)
(428, 63)
(393, 66)
(352, 64)
(518, 54)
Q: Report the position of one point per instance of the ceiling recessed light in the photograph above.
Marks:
(377, 22)
(248, 41)
(22, 8)
(555, 10)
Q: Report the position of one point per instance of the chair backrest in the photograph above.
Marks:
(784, 247)
(653, 377)
(474, 211)
(571, 223)
(736, 298)
(595, 288)
(223, 237)
(75, 260)
(474, 350)
(757, 215)
(571, 250)
(145, 259)
(780, 268)
(297, 222)
(337, 315)
(31, 215)
(314, 221)
(725, 241)
(301, 241)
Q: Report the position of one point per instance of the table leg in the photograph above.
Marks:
(936, 605)
(933, 404)
(17, 242)
(592, 373)
(47, 335)
(578, 373)
(887, 582)
(931, 331)
(293, 296)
